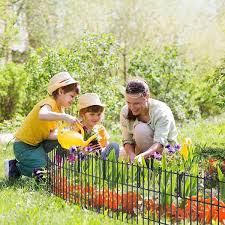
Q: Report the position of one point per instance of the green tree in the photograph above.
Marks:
(10, 11)
(42, 22)
(12, 86)
(219, 82)
(168, 77)
(93, 61)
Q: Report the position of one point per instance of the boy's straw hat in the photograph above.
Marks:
(89, 99)
(60, 80)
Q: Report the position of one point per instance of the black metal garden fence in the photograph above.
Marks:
(136, 194)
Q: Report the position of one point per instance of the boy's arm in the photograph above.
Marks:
(46, 113)
(53, 135)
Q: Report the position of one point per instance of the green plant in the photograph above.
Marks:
(11, 125)
(221, 178)
(219, 82)
(168, 76)
(91, 60)
(12, 87)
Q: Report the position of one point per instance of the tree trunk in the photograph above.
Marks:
(125, 65)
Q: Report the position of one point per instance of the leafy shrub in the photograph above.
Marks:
(168, 77)
(11, 125)
(12, 85)
(41, 65)
(209, 92)
(92, 60)
(219, 82)
(97, 58)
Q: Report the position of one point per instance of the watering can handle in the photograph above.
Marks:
(62, 125)
(80, 128)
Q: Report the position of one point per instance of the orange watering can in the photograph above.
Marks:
(68, 138)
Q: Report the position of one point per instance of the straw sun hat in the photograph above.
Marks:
(60, 80)
(89, 99)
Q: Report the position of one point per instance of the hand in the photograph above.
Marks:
(132, 156)
(138, 158)
(95, 147)
(70, 119)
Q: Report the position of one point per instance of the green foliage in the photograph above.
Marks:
(24, 202)
(221, 178)
(93, 60)
(207, 135)
(219, 82)
(207, 95)
(96, 58)
(210, 94)
(210, 152)
(40, 67)
(168, 77)
(12, 85)
(10, 125)
(8, 17)
(95, 55)
(167, 183)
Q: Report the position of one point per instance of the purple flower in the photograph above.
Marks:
(73, 149)
(177, 147)
(88, 149)
(157, 156)
(173, 149)
(82, 156)
(59, 159)
(170, 149)
(72, 158)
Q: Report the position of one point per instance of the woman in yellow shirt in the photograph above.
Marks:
(38, 134)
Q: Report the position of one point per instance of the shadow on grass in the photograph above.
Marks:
(210, 151)
(25, 183)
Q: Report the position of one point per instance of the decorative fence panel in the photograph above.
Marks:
(135, 194)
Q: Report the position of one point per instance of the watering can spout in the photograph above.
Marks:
(89, 140)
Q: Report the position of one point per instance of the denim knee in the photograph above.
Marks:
(109, 148)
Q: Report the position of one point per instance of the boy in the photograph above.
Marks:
(38, 135)
(91, 112)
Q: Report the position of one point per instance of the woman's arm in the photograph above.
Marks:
(156, 147)
(130, 151)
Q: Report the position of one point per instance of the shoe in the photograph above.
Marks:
(11, 170)
(40, 174)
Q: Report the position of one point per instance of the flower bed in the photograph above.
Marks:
(137, 193)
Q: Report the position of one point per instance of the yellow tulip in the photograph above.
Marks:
(188, 141)
(185, 146)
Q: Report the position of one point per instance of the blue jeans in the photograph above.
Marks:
(110, 147)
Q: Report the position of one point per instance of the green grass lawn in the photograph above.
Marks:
(210, 132)
(24, 202)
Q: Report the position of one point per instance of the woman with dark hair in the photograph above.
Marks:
(147, 124)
